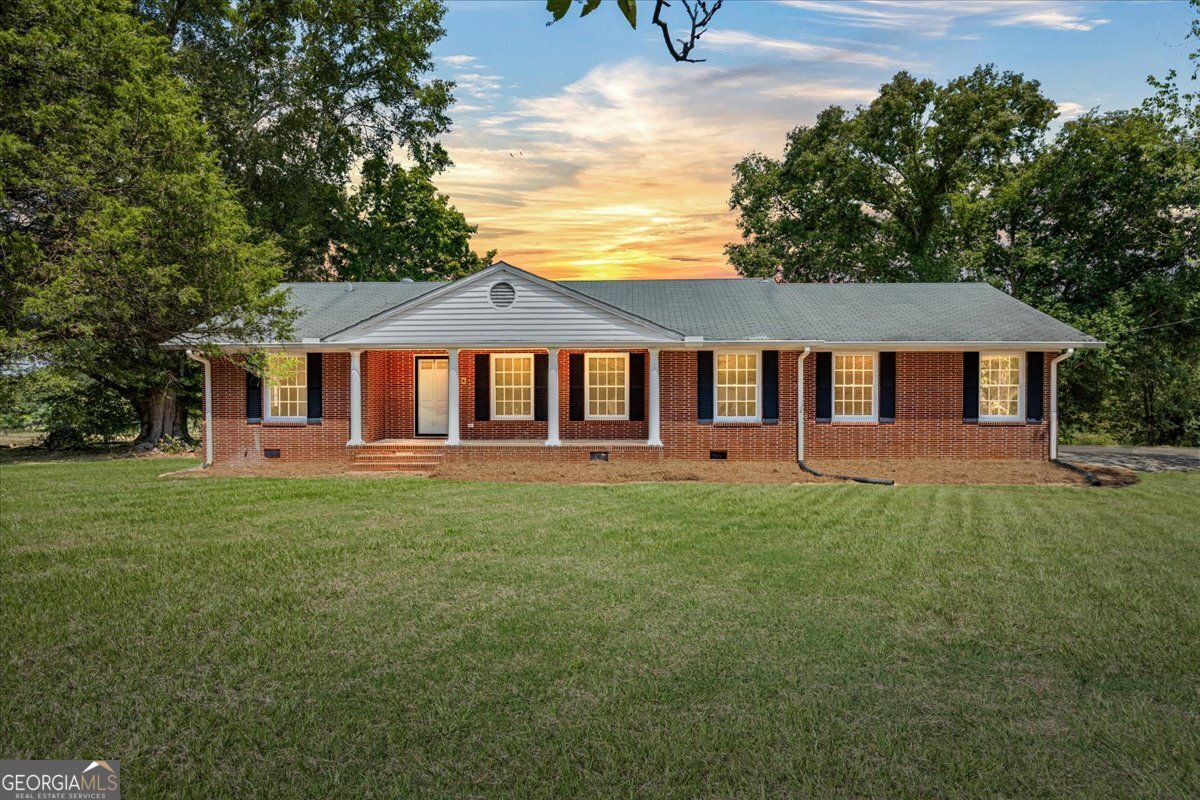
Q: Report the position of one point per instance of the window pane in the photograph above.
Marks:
(607, 382)
(512, 381)
(287, 386)
(1000, 386)
(737, 385)
(853, 386)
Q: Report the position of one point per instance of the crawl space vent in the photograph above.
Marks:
(502, 294)
(598, 455)
(718, 455)
(270, 454)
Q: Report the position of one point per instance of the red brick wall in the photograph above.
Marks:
(684, 437)
(239, 443)
(389, 393)
(928, 417)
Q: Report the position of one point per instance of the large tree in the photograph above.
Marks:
(400, 226)
(117, 230)
(299, 94)
(1103, 230)
(868, 194)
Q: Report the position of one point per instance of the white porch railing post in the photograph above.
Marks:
(655, 433)
(452, 426)
(552, 439)
(356, 435)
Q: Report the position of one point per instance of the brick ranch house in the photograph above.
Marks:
(507, 365)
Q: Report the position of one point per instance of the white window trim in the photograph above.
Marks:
(587, 386)
(532, 387)
(757, 389)
(266, 390)
(1020, 415)
(874, 415)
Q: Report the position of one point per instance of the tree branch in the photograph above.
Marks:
(700, 13)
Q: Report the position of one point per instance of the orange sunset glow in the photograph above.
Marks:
(581, 151)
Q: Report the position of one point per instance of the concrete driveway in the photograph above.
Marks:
(1141, 459)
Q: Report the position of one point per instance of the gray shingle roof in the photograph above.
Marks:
(745, 310)
(749, 310)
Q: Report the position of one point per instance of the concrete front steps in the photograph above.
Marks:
(414, 457)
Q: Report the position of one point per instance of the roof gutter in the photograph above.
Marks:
(208, 430)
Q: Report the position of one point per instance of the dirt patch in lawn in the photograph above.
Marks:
(1007, 472)
(670, 471)
(1028, 473)
(1031, 473)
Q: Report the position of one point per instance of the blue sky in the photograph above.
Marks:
(582, 150)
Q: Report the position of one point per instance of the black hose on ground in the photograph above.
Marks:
(1087, 476)
(856, 479)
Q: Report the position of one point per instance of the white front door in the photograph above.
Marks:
(433, 396)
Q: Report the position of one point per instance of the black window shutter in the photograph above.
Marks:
(770, 387)
(575, 378)
(483, 386)
(254, 397)
(704, 386)
(541, 377)
(887, 387)
(314, 387)
(637, 386)
(824, 387)
(970, 387)
(1033, 387)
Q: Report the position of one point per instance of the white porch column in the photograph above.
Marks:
(452, 425)
(356, 437)
(655, 437)
(552, 439)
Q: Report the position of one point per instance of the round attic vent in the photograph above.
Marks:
(502, 294)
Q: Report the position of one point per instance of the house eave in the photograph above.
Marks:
(692, 343)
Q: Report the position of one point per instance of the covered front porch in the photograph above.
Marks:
(423, 401)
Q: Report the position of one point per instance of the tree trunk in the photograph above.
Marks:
(161, 413)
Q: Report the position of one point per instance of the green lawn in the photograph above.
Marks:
(396, 637)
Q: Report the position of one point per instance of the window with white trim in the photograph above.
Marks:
(854, 386)
(512, 386)
(737, 387)
(1000, 386)
(286, 386)
(606, 385)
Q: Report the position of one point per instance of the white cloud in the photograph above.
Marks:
(1069, 110)
(1054, 18)
(936, 18)
(794, 49)
(458, 60)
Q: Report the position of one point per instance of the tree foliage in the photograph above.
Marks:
(867, 195)
(117, 231)
(298, 94)
(1099, 226)
(402, 227)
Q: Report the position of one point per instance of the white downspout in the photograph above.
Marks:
(800, 404)
(208, 429)
(1054, 401)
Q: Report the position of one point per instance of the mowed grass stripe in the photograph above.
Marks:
(401, 637)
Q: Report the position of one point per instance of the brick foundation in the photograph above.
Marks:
(928, 418)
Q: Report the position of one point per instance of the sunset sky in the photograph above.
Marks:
(582, 150)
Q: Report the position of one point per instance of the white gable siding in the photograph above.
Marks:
(465, 316)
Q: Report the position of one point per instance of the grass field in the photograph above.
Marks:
(399, 637)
